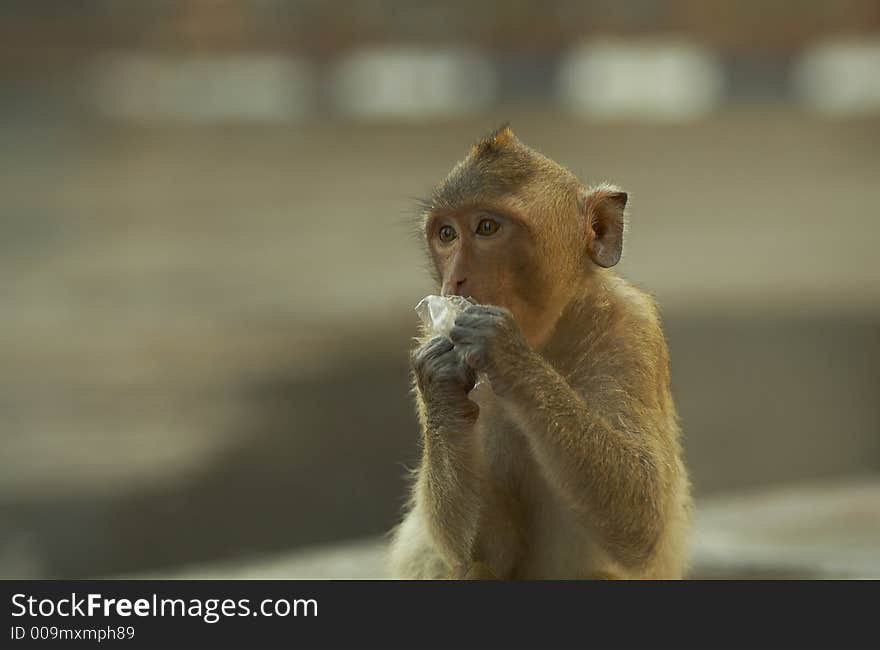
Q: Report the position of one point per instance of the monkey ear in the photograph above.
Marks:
(604, 207)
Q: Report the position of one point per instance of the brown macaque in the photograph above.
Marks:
(566, 461)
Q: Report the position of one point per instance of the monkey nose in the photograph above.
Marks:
(455, 288)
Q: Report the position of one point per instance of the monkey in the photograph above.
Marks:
(566, 461)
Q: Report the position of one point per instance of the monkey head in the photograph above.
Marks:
(512, 228)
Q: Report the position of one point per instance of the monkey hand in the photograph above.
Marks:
(490, 341)
(444, 382)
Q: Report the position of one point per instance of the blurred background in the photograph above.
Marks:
(208, 267)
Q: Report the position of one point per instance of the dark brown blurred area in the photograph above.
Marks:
(207, 296)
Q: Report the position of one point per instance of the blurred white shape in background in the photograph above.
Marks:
(412, 83)
(653, 80)
(200, 88)
(840, 77)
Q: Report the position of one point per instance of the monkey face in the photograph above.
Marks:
(510, 227)
(491, 257)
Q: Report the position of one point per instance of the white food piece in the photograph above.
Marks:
(438, 313)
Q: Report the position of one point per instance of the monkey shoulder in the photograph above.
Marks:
(635, 321)
(631, 303)
(617, 344)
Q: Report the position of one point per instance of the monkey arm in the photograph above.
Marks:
(449, 488)
(413, 554)
(597, 455)
(606, 455)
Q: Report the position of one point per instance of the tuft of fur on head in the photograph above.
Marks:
(495, 167)
(496, 140)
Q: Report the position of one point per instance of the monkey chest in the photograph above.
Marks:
(556, 542)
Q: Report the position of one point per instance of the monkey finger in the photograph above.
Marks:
(430, 353)
(474, 319)
(475, 311)
(436, 347)
(462, 334)
(490, 310)
(473, 355)
(467, 375)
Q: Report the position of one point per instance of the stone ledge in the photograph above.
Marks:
(820, 530)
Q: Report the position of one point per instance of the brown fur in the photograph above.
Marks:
(568, 464)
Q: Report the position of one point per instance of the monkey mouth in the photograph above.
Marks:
(466, 296)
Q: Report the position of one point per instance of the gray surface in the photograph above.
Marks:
(827, 530)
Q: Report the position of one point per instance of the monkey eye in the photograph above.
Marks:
(447, 234)
(487, 227)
